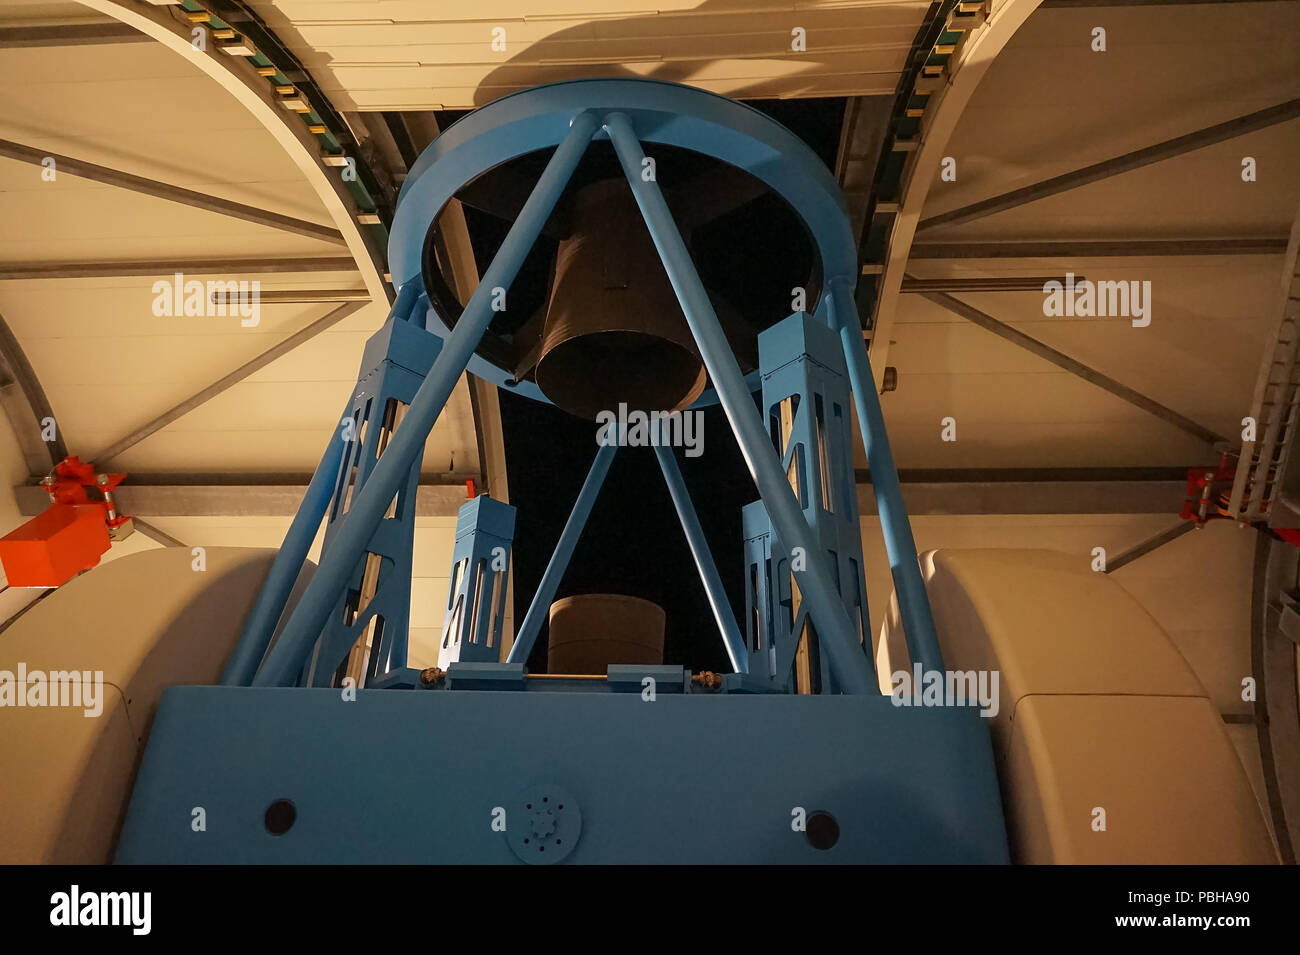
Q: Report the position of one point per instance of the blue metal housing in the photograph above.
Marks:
(416, 776)
(480, 573)
(649, 763)
(805, 397)
(374, 611)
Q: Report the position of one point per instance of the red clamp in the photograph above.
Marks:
(1208, 491)
(71, 534)
(71, 478)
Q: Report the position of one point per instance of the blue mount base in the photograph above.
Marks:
(404, 777)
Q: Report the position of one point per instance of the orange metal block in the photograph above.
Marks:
(54, 546)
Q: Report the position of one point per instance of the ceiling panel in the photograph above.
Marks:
(396, 54)
(107, 363)
(1049, 105)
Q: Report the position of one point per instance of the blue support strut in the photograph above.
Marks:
(559, 563)
(286, 659)
(913, 601)
(791, 526)
(287, 565)
(731, 637)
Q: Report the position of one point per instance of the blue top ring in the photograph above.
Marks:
(666, 113)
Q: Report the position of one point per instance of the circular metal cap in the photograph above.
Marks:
(543, 824)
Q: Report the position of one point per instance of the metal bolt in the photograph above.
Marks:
(707, 679)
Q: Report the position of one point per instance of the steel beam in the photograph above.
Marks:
(717, 594)
(1078, 368)
(1153, 542)
(20, 271)
(26, 426)
(217, 387)
(154, 533)
(68, 34)
(1006, 475)
(432, 499)
(1260, 119)
(162, 190)
(913, 601)
(151, 496)
(1035, 491)
(307, 296)
(25, 376)
(1096, 249)
(272, 479)
(1005, 283)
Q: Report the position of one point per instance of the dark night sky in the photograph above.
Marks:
(633, 543)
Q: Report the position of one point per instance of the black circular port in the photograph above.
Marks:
(280, 816)
(822, 830)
